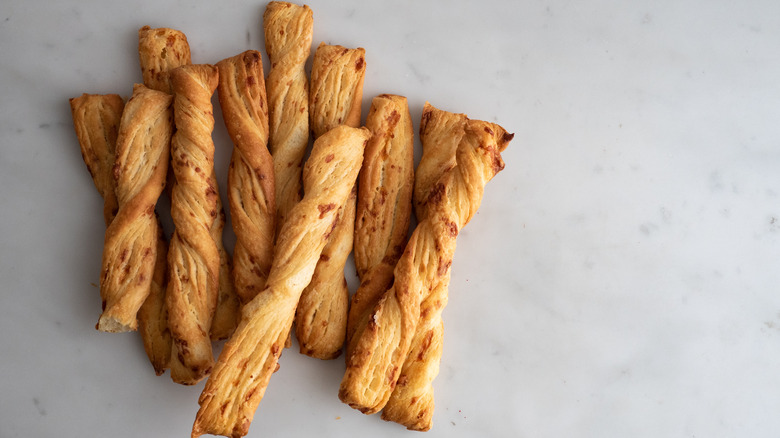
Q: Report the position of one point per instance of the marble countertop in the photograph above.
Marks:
(621, 278)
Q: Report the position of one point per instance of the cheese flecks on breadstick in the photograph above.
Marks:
(96, 120)
(160, 51)
(241, 375)
(251, 174)
(384, 204)
(381, 348)
(130, 249)
(193, 256)
(288, 32)
(335, 99)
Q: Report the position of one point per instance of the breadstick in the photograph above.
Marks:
(381, 348)
(411, 403)
(288, 33)
(241, 375)
(251, 173)
(384, 204)
(335, 99)
(193, 256)
(130, 249)
(160, 51)
(96, 120)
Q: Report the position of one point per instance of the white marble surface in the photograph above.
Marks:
(621, 278)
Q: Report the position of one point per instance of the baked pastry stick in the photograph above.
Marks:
(383, 205)
(96, 120)
(335, 99)
(160, 51)
(288, 32)
(241, 375)
(193, 256)
(251, 173)
(130, 249)
(411, 403)
(381, 348)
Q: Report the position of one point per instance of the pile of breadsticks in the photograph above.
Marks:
(295, 223)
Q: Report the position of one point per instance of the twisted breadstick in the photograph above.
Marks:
(251, 174)
(130, 248)
(288, 34)
(160, 51)
(240, 377)
(193, 256)
(335, 99)
(381, 348)
(96, 120)
(411, 403)
(384, 204)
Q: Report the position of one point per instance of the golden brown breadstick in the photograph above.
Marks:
(130, 249)
(160, 51)
(384, 203)
(240, 377)
(335, 99)
(288, 32)
(193, 256)
(411, 403)
(96, 120)
(251, 173)
(381, 348)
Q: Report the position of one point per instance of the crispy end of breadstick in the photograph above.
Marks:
(251, 174)
(160, 51)
(337, 90)
(96, 120)
(130, 248)
(238, 382)
(321, 317)
(336, 87)
(381, 348)
(288, 33)
(441, 132)
(228, 310)
(153, 315)
(193, 256)
(384, 203)
(411, 403)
